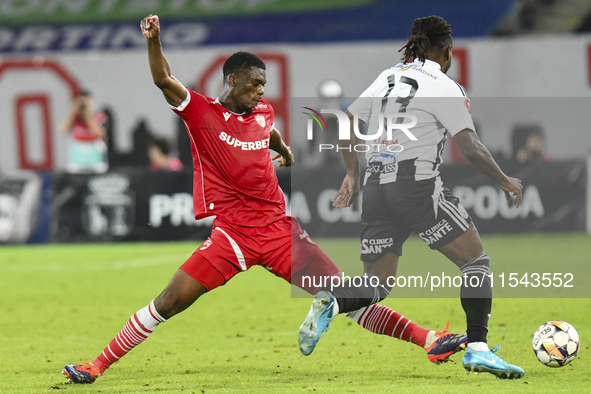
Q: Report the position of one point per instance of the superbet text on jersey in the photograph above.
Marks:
(247, 193)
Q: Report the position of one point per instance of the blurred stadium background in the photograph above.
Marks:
(526, 64)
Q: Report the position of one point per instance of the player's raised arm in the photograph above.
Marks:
(480, 157)
(284, 155)
(174, 91)
(349, 190)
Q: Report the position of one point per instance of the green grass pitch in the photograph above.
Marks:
(62, 304)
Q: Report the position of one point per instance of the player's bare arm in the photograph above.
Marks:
(174, 91)
(477, 154)
(284, 155)
(349, 190)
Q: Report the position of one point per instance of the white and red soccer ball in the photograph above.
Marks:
(556, 343)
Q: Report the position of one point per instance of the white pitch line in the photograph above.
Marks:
(97, 266)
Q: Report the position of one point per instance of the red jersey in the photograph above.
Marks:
(233, 175)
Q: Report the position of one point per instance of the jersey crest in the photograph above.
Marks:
(260, 120)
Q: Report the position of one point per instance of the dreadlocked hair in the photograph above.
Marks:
(428, 33)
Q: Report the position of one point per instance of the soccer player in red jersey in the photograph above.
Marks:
(234, 179)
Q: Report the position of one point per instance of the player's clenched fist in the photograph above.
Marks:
(150, 26)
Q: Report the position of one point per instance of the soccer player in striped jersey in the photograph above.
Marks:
(234, 179)
(403, 192)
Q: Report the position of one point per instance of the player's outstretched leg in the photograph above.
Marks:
(180, 293)
(324, 309)
(380, 319)
(488, 361)
(136, 330)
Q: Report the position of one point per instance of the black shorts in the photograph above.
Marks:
(392, 211)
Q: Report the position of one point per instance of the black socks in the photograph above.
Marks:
(476, 296)
(351, 297)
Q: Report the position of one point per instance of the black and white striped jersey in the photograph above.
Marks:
(409, 109)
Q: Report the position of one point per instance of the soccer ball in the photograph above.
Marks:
(556, 343)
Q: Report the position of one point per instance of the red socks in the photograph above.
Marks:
(137, 329)
(376, 318)
(382, 320)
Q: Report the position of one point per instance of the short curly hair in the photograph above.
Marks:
(241, 61)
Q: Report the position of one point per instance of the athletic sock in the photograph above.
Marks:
(137, 329)
(476, 296)
(382, 320)
(478, 346)
(351, 297)
(430, 338)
